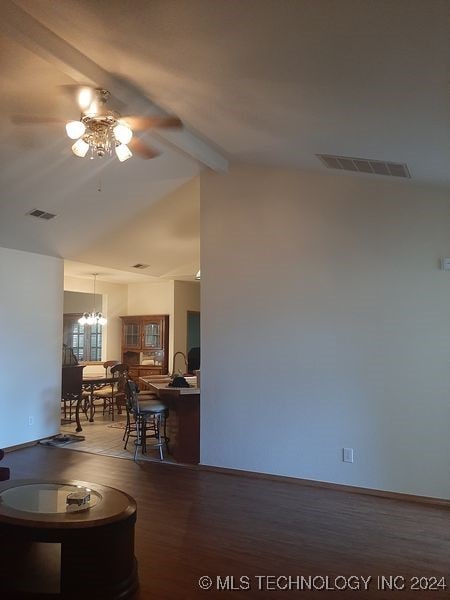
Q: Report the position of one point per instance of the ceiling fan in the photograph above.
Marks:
(100, 131)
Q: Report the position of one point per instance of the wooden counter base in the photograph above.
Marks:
(184, 420)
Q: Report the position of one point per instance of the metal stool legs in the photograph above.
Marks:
(156, 422)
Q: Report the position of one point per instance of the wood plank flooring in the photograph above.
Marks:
(193, 523)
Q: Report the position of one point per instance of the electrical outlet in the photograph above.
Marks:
(347, 455)
(30, 421)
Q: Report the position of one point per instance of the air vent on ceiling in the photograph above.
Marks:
(41, 214)
(365, 165)
(140, 266)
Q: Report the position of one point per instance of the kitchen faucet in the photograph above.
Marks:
(173, 363)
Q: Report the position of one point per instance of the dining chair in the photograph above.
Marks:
(106, 392)
(119, 373)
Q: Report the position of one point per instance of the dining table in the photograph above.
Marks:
(91, 384)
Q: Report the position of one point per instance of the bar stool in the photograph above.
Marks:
(148, 419)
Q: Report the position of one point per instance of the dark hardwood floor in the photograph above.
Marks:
(193, 523)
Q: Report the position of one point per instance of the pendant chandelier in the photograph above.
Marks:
(94, 317)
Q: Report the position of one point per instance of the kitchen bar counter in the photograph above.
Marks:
(184, 418)
(158, 387)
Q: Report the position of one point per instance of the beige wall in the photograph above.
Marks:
(334, 332)
(152, 298)
(31, 300)
(187, 297)
(115, 304)
(80, 302)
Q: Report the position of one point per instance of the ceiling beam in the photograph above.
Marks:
(18, 24)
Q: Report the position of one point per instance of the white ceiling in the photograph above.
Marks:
(166, 237)
(267, 81)
(82, 270)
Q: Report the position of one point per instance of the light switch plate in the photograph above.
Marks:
(347, 455)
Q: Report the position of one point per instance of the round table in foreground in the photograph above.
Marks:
(51, 549)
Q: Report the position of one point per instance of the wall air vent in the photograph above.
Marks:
(41, 214)
(365, 165)
(140, 266)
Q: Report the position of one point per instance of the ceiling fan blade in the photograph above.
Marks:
(144, 151)
(142, 123)
(35, 120)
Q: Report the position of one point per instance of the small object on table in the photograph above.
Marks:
(79, 498)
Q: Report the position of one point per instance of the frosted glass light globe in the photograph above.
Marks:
(75, 129)
(80, 148)
(122, 133)
(123, 152)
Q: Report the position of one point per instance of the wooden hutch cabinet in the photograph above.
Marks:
(145, 345)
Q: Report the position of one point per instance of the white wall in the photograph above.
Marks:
(154, 298)
(114, 305)
(325, 324)
(31, 309)
(187, 297)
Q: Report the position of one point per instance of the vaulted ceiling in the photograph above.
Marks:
(258, 81)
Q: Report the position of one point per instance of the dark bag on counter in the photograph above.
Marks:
(179, 382)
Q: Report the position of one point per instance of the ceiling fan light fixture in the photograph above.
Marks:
(80, 148)
(123, 152)
(100, 131)
(75, 129)
(122, 133)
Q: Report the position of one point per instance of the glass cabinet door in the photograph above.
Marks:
(132, 335)
(145, 343)
(152, 335)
